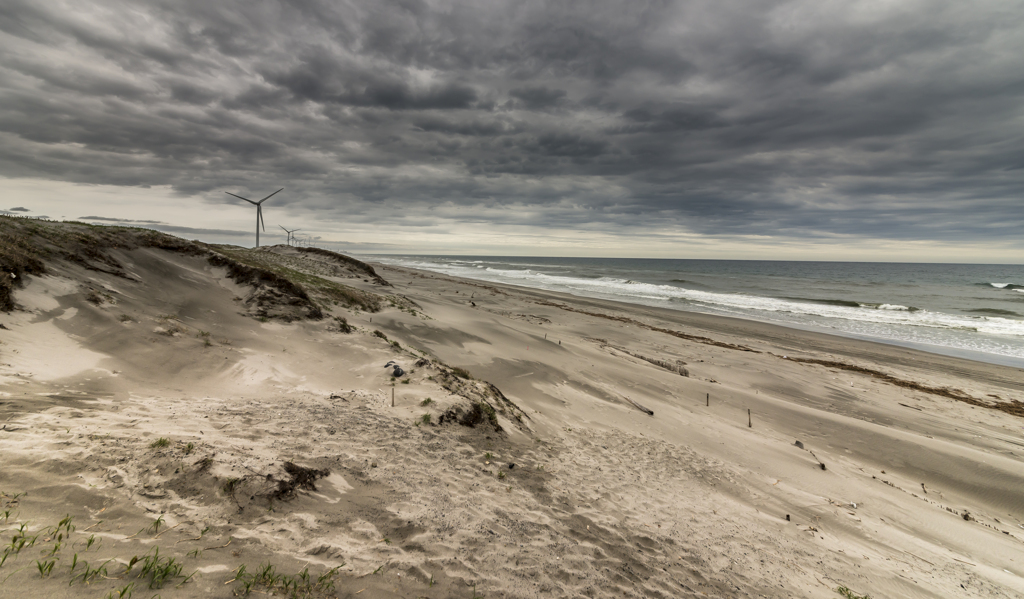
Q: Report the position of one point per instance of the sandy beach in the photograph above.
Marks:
(226, 417)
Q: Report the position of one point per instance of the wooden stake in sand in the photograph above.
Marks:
(708, 398)
(392, 397)
(750, 423)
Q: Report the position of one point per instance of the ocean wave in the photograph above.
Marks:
(828, 302)
(830, 312)
(1012, 286)
(995, 311)
(896, 307)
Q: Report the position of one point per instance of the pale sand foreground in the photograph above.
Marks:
(603, 499)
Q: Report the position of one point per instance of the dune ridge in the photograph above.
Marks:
(204, 408)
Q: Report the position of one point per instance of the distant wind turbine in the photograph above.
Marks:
(259, 211)
(289, 233)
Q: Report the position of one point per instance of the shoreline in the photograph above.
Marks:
(816, 339)
(949, 351)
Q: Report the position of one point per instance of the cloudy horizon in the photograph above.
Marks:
(782, 130)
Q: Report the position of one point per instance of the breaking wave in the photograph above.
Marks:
(798, 310)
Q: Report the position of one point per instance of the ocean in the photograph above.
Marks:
(968, 310)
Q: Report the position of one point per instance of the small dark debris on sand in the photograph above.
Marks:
(301, 478)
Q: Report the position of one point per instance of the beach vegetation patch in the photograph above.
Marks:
(272, 263)
(161, 442)
(343, 325)
(229, 485)
(266, 580)
(349, 261)
(462, 373)
(848, 594)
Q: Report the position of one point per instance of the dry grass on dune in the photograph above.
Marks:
(26, 244)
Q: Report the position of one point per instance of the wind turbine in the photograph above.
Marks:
(259, 211)
(289, 233)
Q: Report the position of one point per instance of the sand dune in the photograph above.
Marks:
(204, 404)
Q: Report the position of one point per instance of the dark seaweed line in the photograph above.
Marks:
(1011, 406)
(688, 337)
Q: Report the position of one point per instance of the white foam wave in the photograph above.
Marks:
(894, 307)
(751, 306)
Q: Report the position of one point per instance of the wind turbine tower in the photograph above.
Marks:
(290, 233)
(259, 211)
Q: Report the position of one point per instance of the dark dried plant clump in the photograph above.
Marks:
(301, 478)
(343, 325)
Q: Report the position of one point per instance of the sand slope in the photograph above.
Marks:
(575, 492)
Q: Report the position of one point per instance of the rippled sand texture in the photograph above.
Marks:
(571, 489)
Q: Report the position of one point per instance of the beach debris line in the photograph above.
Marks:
(623, 319)
(961, 513)
(800, 445)
(678, 367)
(1010, 406)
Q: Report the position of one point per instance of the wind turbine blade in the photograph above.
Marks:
(241, 198)
(271, 195)
(283, 229)
(259, 213)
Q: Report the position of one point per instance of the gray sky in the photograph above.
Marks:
(812, 129)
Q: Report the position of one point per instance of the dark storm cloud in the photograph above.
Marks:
(796, 119)
(535, 98)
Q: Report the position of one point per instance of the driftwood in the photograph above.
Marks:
(678, 367)
(639, 407)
